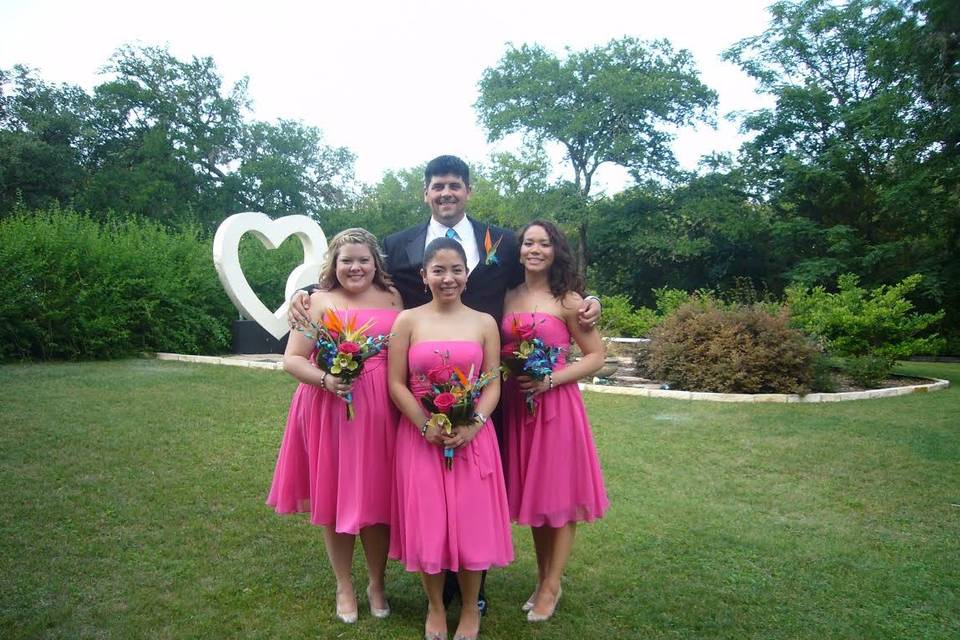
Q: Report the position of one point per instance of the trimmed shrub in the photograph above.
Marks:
(703, 347)
(75, 288)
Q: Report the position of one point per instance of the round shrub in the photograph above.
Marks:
(745, 349)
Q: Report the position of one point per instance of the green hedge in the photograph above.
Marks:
(77, 288)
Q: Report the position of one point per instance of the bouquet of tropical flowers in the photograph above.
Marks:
(452, 398)
(532, 357)
(343, 347)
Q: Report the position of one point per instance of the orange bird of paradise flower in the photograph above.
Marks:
(491, 247)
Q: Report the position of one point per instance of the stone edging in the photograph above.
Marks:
(226, 361)
(936, 384)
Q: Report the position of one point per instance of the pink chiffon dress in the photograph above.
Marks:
(553, 472)
(340, 470)
(454, 519)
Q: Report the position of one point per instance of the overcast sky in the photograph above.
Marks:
(392, 81)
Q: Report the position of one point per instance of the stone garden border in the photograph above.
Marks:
(250, 361)
(935, 384)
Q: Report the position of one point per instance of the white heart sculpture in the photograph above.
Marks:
(272, 233)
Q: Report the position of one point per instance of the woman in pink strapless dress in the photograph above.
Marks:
(447, 519)
(553, 473)
(340, 470)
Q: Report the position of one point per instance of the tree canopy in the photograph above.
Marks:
(162, 138)
(612, 103)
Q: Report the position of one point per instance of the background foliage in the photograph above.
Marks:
(854, 170)
(78, 288)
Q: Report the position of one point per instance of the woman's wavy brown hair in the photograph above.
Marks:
(563, 276)
(356, 235)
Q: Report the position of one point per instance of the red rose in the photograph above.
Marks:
(440, 374)
(444, 401)
(526, 332)
(351, 348)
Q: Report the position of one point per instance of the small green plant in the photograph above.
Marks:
(867, 371)
(621, 319)
(823, 374)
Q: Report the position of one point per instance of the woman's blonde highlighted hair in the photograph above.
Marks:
(356, 235)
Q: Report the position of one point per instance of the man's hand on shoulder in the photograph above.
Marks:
(588, 315)
(298, 312)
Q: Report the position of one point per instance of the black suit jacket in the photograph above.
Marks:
(486, 284)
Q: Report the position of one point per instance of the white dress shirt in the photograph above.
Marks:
(467, 238)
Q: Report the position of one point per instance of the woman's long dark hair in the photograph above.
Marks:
(563, 277)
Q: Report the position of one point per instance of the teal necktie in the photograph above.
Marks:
(453, 234)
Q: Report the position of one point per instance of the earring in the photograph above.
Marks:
(425, 289)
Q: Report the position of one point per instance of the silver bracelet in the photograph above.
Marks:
(550, 380)
(423, 429)
(479, 418)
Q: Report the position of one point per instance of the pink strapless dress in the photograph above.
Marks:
(339, 470)
(553, 473)
(444, 519)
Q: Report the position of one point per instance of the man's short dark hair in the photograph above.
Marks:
(447, 165)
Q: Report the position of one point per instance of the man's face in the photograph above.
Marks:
(447, 198)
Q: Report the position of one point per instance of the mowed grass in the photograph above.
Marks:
(133, 507)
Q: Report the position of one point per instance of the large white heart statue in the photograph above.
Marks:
(272, 233)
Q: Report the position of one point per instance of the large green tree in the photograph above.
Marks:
(860, 153)
(163, 138)
(706, 232)
(614, 104)
(43, 131)
(286, 167)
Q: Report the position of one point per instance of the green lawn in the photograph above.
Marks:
(133, 493)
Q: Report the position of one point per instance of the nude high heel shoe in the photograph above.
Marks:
(542, 617)
(347, 617)
(529, 603)
(375, 612)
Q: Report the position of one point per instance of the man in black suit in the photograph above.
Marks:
(493, 269)
(492, 261)
(491, 250)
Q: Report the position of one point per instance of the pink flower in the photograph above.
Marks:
(440, 374)
(444, 401)
(351, 348)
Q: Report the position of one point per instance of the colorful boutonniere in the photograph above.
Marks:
(491, 248)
